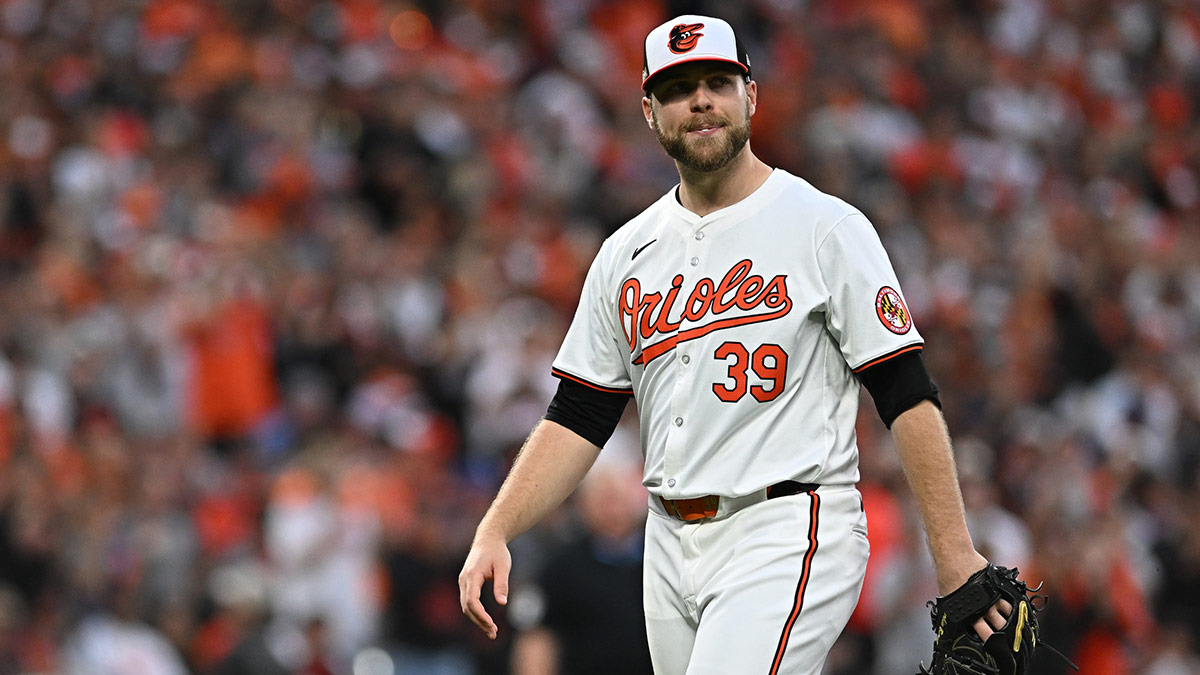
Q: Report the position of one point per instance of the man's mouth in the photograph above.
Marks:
(704, 129)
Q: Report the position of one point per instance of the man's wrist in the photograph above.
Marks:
(954, 573)
(490, 532)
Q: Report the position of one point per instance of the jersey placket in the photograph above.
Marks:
(684, 363)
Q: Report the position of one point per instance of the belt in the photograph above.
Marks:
(709, 506)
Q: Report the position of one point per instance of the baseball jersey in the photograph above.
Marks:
(738, 334)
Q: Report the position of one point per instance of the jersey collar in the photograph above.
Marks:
(734, 212)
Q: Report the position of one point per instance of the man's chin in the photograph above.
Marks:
(708, 158)
(703, 153)
(706, 164)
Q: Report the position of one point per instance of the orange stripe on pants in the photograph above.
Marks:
(804, 575)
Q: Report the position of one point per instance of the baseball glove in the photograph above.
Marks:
(958, 650)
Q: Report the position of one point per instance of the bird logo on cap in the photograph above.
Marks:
(684, 37)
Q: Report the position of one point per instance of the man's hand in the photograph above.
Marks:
(960, 619)
(489, 559)
(549, 466)
(951, 578)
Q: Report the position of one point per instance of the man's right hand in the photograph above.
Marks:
(489, 559)
(549, 466)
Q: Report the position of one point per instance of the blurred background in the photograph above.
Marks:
(281, 282)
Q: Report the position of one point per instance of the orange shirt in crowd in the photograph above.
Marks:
(232, 385)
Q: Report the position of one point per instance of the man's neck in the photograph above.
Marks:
(703, 192)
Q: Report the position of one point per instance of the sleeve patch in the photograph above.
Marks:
(892, 311)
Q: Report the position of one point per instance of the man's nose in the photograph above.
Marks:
(701, 98)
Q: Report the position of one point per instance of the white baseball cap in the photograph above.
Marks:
(688, 38)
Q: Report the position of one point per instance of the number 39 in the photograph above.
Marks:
(769, 363)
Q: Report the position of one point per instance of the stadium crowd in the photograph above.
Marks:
(281, 282)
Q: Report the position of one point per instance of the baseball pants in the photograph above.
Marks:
(763, 590)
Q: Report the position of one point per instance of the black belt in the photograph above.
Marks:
(701, 508)
(789, 487)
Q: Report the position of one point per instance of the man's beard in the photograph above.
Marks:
(700, 154)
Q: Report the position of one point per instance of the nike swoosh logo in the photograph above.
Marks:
(641, 248)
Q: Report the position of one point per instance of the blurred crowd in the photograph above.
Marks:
(281, 282)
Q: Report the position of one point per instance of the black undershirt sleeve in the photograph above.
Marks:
(898, 384)
(591, 413)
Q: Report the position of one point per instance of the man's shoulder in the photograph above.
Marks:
(648, 218)
(803, 196)
(629, 236)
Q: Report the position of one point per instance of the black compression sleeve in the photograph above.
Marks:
(898, 384)
(591, 413)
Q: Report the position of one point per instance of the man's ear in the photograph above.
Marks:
(752, 94)
(648, 111)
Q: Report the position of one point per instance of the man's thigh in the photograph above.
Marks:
(670, 614)
(786, 588)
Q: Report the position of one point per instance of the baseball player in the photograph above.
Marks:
(742, 310)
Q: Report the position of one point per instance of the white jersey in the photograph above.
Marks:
(738, 334)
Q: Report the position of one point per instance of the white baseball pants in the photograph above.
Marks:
(764, 590)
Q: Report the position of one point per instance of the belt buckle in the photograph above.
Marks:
(689, 510)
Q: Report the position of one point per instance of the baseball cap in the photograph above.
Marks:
(688, 38)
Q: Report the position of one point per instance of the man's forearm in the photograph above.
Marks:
(552, 462)
(928, 461)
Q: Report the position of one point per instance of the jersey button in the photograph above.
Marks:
(699, 236)
(686, 359)
(671, 483)
(678, 421)
(695, 261)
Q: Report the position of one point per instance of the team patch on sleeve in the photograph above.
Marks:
(893, 314)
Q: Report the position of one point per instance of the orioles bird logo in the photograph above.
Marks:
(684, 37)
